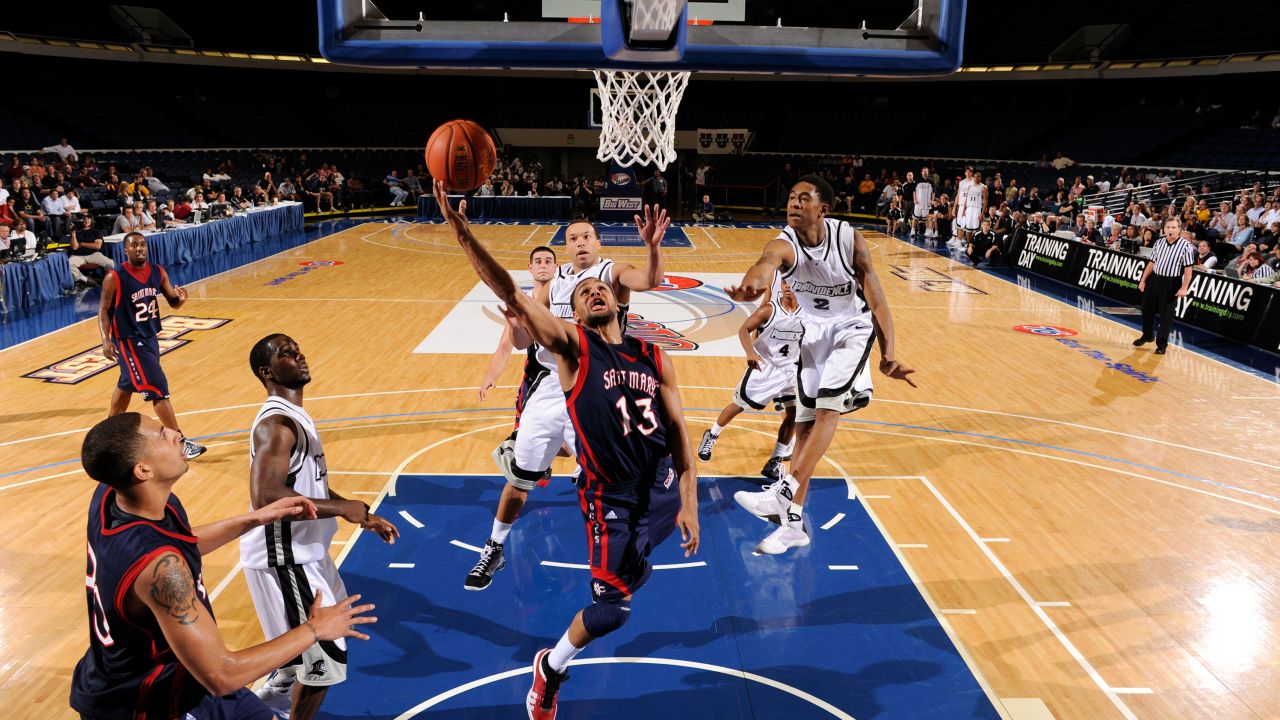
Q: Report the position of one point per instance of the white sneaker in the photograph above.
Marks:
(770, 503)
(781, 540)
(276, 694)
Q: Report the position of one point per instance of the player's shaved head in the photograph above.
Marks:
(260, 355)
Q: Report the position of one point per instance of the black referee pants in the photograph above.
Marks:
(1158, 299)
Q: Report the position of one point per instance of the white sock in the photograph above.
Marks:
(795, 516)
(500, 530)
(716, 428)
(563, 652)
(781, 449)
(790, 484)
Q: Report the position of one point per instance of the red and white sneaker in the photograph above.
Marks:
(541, 701)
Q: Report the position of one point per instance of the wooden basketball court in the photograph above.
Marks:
(1096, 525)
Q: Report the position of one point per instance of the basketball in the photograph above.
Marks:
(461, 154)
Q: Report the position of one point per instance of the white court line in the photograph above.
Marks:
(41, 479)
(832, 522)
(411, 519)
(464, 546)
(582, 566)
(732, 672)
(996, 540)
(958, 611)
(1132, 691)
(225, 581)
(877, 497)
(533, 232)
(842, 567)
(337, 542)
(401, 566)
(709, 237)
(1048, 622)
(913, 545)
(1053, 604)
(365, 492)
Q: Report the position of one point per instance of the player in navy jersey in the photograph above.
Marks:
(129, 323)
(155, 652)
(632, 444)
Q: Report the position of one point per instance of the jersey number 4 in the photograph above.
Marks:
(645, 405)
(146, 310)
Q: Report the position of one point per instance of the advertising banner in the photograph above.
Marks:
(622, 194)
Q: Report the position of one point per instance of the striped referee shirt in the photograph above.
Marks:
(1172, 258)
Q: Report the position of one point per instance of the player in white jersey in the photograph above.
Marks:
(971, 207)
(771, 373)
(287, 565)
(544, 419)
(922, 200)
(962, 197)
(828, 265)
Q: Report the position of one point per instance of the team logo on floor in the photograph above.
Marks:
(930, 280)
(86, 364)
(1046, 330)
(307, 267)
(686, 314)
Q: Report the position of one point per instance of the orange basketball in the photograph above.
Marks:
(461, 154)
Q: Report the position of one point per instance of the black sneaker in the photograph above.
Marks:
(708, 442)
(1160, 349)
(773, 468)
(491, 561)
(1142, 341)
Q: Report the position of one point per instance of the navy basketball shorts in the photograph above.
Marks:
(139, 361)
(621, 534)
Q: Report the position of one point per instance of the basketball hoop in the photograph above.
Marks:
(638, 114)
(638, 107)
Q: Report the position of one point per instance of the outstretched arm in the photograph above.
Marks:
(880, 314)
(681, 456)
(543, 327)
(777, 254)
(754, 321)
(220, 532)
(652, 228)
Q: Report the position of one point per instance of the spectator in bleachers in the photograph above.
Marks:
(1061, 161)
(263, 188)
(126, 221)
(1131, 239)
(533, 188)
(1254, 211)
(1202, 212)
(509, 190)
(357, 195)
(1255, 267)
(893, 217)
(1137, 214)
(866, 193)
(200, 207)
(6, 231)
(1035, 223)
(86, 249)
(146, 219)
(486, 190)
(9, 213)
(64, 151)
(71, 203)
(1223, 223)
(287, 190)
(1160, 198)
(1243, 232)
(395, 187)
(137, 188)
(154, 185)
(30, 210)
(886, 198)
(1205, 259)
(55, 208)
(1091, 234)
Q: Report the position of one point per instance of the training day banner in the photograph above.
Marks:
(722, 141)
(622, 194)
(1238, 309)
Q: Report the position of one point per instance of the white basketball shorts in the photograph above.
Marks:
(544, 428)
(283, 597)
(835, 372)
(758, 388)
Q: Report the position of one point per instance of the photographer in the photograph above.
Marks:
(86, 249)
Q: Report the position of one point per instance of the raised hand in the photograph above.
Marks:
(456, 218)
(653, 226)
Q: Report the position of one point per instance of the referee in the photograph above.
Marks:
(1166, 277)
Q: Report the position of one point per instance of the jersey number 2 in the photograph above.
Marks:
(646, 407)
(821, 304)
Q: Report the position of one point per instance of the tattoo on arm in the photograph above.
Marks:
(173, 589)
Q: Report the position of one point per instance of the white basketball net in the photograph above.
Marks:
(638, 110)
